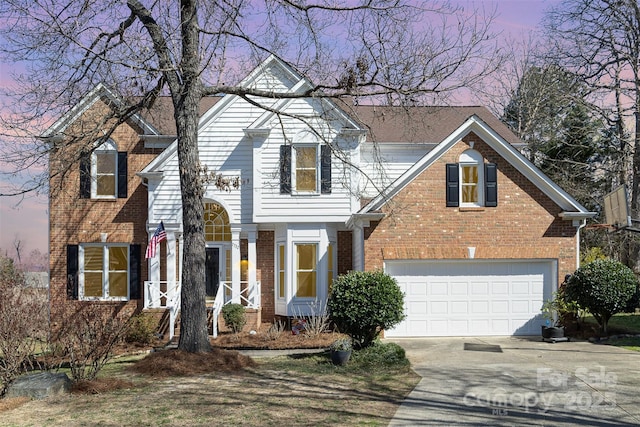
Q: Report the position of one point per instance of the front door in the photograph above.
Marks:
(212, 271)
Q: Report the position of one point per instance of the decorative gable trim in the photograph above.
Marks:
(87, 101)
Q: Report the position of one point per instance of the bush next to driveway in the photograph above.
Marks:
(362, 303)
(604, 287)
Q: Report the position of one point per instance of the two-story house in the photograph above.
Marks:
(306, 189)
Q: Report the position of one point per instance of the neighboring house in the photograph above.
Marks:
(476, 236)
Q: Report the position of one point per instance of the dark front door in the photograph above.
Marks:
(212, 269)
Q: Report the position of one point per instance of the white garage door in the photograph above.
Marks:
(471, 298)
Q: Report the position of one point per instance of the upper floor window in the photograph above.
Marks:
(103, 175)
(471, 182)
(104, 167)
(103, 271)
(305, 171)
(305, 168)
(471, 178)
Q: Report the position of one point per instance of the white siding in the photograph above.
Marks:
(383, 163)
(225, 148)
(275, 207)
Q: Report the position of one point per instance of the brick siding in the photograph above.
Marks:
(74, 220)
(418, 225)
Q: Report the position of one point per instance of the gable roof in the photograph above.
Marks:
(425, 124)
(100, 92)
(296, 84)
(572, 209)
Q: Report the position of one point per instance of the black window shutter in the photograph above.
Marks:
(491, 185)
(122, 174)
(85, 177)
(134, 272)
(285, 169)
(453, 194)
(72, 271)
(325, 169)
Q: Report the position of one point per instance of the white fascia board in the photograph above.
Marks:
(260, 69)
(210, 115)
(525, 167)
(87, 102)
(63, 122)
(422, 164)
(497, 143)
(302, 219)
(299, 87)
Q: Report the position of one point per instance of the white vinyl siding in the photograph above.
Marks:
(383, 163)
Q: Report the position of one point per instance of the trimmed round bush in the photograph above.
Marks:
(381, 355)
(363, 303)
(604, 287)
(234, 318)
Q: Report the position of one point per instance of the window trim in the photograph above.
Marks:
(296, 270)
(474, 159)
(294, 169)
(108, 147)
(105, 272)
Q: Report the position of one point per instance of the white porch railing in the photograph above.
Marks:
(249, 297)
(163, 294)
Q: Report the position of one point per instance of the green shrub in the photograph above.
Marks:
(234, 318)
(604, 287)
(381, 354)
(363, 303)
(141, 329)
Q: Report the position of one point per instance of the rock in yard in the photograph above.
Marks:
(39, 386)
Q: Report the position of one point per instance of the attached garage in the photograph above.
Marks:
(472, 298)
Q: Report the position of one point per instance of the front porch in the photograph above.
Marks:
(165, 295)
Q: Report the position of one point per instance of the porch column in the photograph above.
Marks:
(357, 236)
(171, 264)
(235, 263)
(251, 238)
(153, 297)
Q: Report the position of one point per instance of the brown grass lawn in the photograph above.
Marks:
(223, 388)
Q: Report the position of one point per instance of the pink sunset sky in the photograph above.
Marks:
(26, 218)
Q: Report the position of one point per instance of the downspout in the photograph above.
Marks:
(581, 224)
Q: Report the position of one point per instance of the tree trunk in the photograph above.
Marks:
(193, 325)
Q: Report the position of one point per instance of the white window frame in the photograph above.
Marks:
(281, 271)
(108, 147)
(295, 270)
(471, 158)
(294, 181)
(105, 272)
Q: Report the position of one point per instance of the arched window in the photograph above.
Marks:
(216, 223)
(104, 170)
(471, 182)
(471, 179)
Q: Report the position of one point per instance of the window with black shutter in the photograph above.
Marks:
(471, 183)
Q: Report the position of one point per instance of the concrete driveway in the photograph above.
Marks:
(520, 381)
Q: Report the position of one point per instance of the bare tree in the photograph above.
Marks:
(599, 40)
(383, 50)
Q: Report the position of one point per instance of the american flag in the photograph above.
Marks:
(157, 237)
